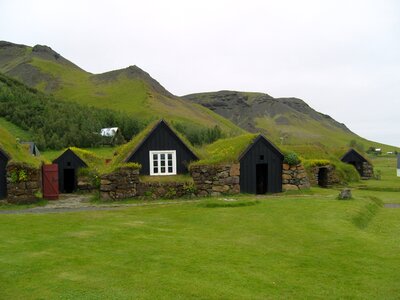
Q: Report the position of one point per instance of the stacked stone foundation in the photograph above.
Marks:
(216, 180)
(367, 171)
(23, 183)
(125, 183)
(294, 178)
(332, 176)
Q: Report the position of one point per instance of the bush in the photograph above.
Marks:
(291, 159)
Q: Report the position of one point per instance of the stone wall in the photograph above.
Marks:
(294, 178)
(166, 190)
(120, 184)
(23, 182)
(367, 171)
(125, 183)
(332, 177)
(216, 180)
(85, 184)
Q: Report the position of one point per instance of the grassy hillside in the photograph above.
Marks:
(286, 121)
(130, 90)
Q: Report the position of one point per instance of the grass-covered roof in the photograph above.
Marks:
(16, 151)
(90, 158)
(124, 151)
(226, 150)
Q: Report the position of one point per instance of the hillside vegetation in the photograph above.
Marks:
(285, 121)
(130, 90)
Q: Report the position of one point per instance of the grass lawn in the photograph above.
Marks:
(294, 245)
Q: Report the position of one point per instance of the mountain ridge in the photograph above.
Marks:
(130, 89)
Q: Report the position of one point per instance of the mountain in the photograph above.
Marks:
(131, 90)
(288, 121)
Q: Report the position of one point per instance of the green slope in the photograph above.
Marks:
(16, 131)
(130, 90)
(286, 121)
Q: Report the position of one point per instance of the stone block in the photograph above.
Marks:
(105, 181)
(235, 170)
(285, 167)
(345, 194)
(289, 187)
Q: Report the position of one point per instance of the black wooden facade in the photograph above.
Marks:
(68, 165)
(3, 174)
(162, 138)
(356, 159)
(261, 168)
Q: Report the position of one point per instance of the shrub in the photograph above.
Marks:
(291, 159)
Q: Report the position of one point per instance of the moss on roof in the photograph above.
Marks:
(226, 150)
(124, 151)
(90, 158)
(16, 151)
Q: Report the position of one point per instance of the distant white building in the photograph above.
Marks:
(398, 165)
(109, 132)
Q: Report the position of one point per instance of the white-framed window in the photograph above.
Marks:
(163, 162)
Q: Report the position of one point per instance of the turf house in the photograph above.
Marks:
(161, 151)
(68, 165)
(3, 174)
(245, 164)
(362, 165)
(19, 171)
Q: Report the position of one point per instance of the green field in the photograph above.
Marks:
(304, 245)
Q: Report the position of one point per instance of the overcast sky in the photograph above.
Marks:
(341, 57)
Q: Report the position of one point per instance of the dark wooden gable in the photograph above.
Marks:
(352, 156)
(261, 153)
(68, 161)
(3, 174)
(162, 137)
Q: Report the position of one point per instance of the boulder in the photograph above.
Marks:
(345, 194)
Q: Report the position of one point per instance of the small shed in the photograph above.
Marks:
(247, 163)
(362, 165)
(261, 168)
(68, 165)
(161, 151)
(3, 174)
(398, 165)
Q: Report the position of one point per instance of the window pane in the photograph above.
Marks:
(155, 163)
(169, 169)
(162, 156)
(155, 156)
(170, 163)
(163, 163)
(169, 156)
(162, 169)
(155, 170)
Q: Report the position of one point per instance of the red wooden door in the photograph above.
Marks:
(50, 181)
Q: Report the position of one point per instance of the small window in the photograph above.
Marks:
(69, 164)
(163, 162)
(261, 157)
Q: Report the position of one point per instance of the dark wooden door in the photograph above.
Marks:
(262, 178)
(50, 182)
